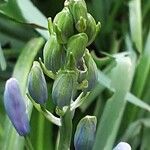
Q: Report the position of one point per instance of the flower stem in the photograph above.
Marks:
(65, 131)
(40, 138)
(48, 115)
(28, 143)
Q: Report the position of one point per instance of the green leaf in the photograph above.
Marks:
(135, 19)
(137, 102)
(114, 108)
(11, 139)
(140, 79)
(2, 60)
(145, 138)
(135, 128)
(142, 69)
(13, 32)
(25, 12)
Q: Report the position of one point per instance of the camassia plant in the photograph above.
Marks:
(68, 62)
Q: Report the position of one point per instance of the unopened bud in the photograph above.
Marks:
(92, 71)
(81, 25)
(85, 133)
(54, 54)
(122, 146)
(82, 70)
(64, 87)
(92, 28)
(77, 45)
(63, 24)
(15, 107)
(37, 85)
(79, 11)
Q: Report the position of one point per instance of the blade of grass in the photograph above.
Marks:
(140, 78)
(145, 139)
(135, 21)
(142, 69)
(137, 102)
(135, 128)
(15, 30)
(11, 139)
(114, 108)
(2, 60)
(25, 12)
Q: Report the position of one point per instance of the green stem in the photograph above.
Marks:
(28, 143)
(65, 131)
(40, 137)
(49, 73)
(48, 115)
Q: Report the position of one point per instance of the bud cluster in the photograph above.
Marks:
(69, 63)
(65, 53)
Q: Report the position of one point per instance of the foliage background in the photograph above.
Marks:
(125, 28)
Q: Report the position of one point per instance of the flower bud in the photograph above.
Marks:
(63, 24)
(64, 87)
(85, 133)
(92, 29)
(15, 107)
(92, 71)
(77, 45)
(82, 70)
(54, 54)
(37, 85)
(81, 25)
(122, 146)
(79, 11)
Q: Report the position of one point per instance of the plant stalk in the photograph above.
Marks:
(28, 143)
(65, 131)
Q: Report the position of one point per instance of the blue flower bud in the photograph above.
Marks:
(122, 146)
(77, 45)
(37, 87)
(92, 71)
(63, 24)
(54, 54)
(64, 87)
(15, 107)
(85, 133)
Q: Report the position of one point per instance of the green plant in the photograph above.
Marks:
(119, 98)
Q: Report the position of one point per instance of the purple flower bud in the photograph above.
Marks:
(15, 107)
(85, 133)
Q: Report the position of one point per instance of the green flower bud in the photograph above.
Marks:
(54, 54)
(92, 29)
(37, 85)
(77, 45)
(92, 71)
(79, 11)
(64, 87)
(81, 25)
(63, 24)
(85, 133)
(82, 70)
